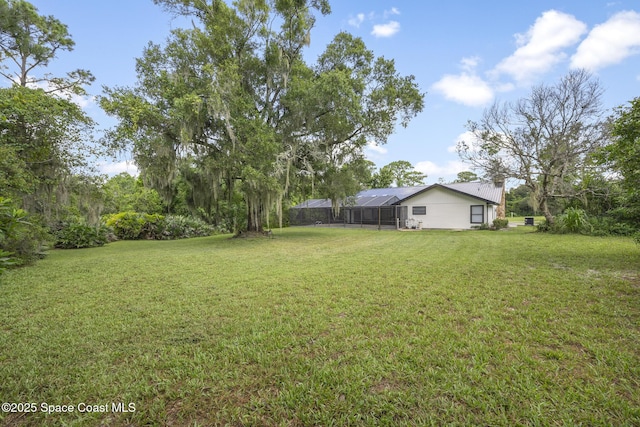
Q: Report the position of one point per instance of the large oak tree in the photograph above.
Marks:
(234, 99)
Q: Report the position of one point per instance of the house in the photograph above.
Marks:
(459, 205)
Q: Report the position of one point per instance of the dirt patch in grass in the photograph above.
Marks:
(632, 278)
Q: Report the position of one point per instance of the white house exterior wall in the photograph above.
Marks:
(446, 209)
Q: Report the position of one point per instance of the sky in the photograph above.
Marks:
(465, 55)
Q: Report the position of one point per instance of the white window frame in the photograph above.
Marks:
(476, 214)
(422, 209)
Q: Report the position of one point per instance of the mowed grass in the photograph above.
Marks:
(322, 326)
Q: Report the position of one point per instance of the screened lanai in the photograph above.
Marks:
(369, 207)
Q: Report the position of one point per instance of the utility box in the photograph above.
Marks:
(528, 220)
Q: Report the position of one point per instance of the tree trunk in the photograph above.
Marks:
(254, 216)
(545, 210)
(501, 212)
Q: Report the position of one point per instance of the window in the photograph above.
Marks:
(477, 214)
(419, 210)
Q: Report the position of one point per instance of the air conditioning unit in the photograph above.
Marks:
(411, 223)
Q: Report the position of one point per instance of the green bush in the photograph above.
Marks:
(544, 227)
(184, 227)
(136, 226)
(125, 225)
(574, 220)
(152, 226)
(6, 261)
(22, 238)
(76, 234)
(610, 226)
(500, 223)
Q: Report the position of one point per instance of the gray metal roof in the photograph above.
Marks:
(373, 201)
(399, 192)
(314, 203)
(358, 201)
(486, 191)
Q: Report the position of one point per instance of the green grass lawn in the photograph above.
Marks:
(322, 326)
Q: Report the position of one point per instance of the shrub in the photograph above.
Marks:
(152, 226)
(22, 238)
(499, 223)
(183, 227)
(125, 225)
(77, 234)
(135, 226)
(574, 220)
(544, 227)
(610, 226)
(6, 260)
(484, 226)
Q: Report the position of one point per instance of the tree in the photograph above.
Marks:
(518, 201)
(543, 140)
(623, 156)
(124, 193)
(382, 178)
(233, 97)
(48, 137)
(42, 132)
(399, 174)
(29, 41)
(466, 176)
(342, 182)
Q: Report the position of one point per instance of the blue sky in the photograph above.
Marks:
(464, 54)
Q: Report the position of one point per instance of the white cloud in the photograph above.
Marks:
(542, 46)
(357, 20)
(468, 137)
(393, 11)
(609, 43)
(378, 149)
(83, 102)
(503, 87)
(469, 64)
(116, 168)
(465, 88)
(375, 152)
(379, 30)
(386, 30)
(434, 171)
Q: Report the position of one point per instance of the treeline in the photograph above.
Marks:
(577, 165)
(228, 125)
